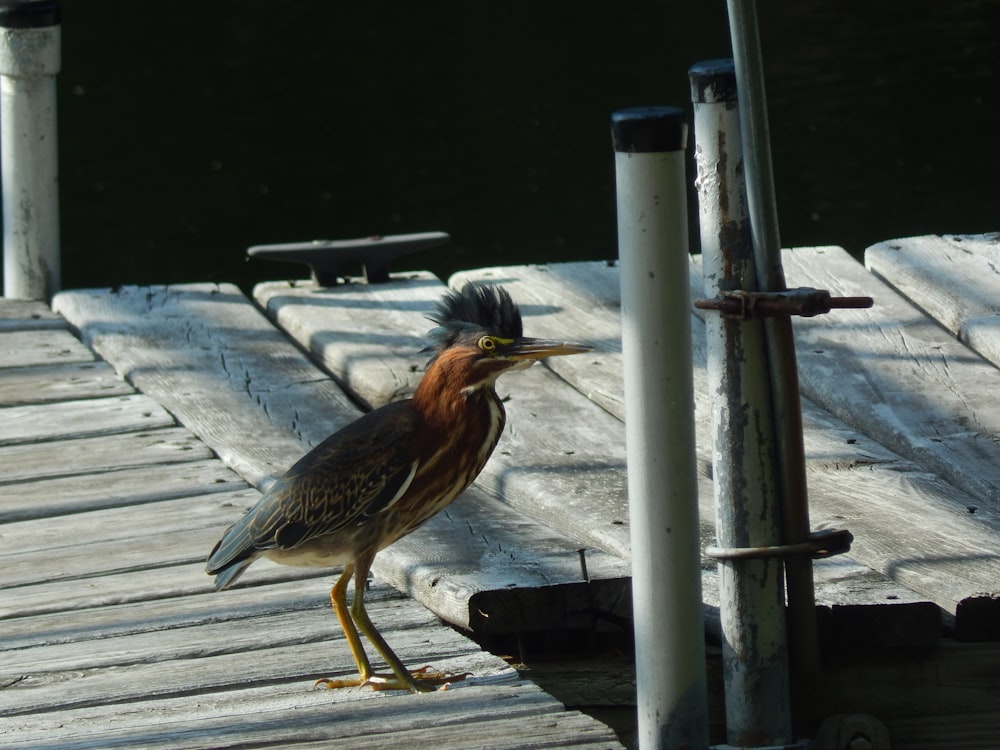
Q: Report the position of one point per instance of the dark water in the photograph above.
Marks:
(191, 130)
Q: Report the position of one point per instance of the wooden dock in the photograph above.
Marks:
(111, 635)
(117, 478)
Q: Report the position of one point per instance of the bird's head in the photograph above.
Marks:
(479, 330)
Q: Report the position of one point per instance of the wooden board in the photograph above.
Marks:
(93, 455)
(218, 365)
(953, 278)
(908, 523)
(125, 523)
(513, 714)
(287, 648)
(27, 315)
(371, 350)
(561, 459)
(22, 501)
(61, 382)
(913, 388)
(488, 553)
(112, 637)
(81, 418)
(41, 347)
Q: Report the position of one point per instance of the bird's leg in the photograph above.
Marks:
(416, 681)
(338, 599)
(357, 619)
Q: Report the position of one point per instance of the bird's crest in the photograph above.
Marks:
(477, 309)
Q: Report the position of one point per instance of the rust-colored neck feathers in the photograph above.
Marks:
(453, 379)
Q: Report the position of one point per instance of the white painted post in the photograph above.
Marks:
(745, 452)
(659, 428)
(29, 61)
(762, 205)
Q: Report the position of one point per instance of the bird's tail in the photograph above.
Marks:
(227, 575)
(230, 557)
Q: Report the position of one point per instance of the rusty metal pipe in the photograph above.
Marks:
(748, 62)
(744, 460)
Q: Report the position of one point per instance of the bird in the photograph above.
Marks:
(382, 476)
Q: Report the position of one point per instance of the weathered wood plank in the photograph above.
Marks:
(464, 565)
(907, 523)
(69, 382)
(112, 624)
(85, 417)
(515, 712)
(954, 279)
(76, 622)
(257, 655)
(168, 660)
(258, 631)
(370, 350)
(27, 315)
(477, 564)
(125, 524)
(444, 581)
(41, 347)
(93, 455)
(143, 585)
(21, 501)
(574, 480)
(932, 399)
(218, 365)
(86, 560)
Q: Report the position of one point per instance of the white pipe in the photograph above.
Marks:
(659, 428)
(744, 457)
(29, 62)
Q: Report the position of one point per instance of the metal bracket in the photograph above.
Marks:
(803, 301)
(325, 257)
(824, 543)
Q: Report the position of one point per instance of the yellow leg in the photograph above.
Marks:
(338, 599)
(356, 619)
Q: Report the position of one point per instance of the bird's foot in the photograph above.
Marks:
(421, 681)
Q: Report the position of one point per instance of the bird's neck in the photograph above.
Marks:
(452, 399)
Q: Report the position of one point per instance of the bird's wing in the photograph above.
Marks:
(342, 482)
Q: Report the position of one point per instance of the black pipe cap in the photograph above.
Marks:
(649, 129)
(29, 14)
(713, 81)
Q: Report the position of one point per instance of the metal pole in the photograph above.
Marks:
(659, 428)
(754, 652)
(749, 66)
(29, 62)
(762, 205)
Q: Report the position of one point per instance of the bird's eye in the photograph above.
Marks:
(488, 344)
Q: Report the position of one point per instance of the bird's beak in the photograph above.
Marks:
(532, 349)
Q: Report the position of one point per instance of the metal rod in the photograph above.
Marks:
(29, 62)
(756, 140)
(659, 428)
(762, 206)
(748, 512)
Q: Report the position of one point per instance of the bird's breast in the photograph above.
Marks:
(449, 464)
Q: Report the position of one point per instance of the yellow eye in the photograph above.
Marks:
(487, 344)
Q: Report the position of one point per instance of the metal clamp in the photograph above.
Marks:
(803, 301)
(824, 543)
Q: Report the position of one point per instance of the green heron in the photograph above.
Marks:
(382, 476)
